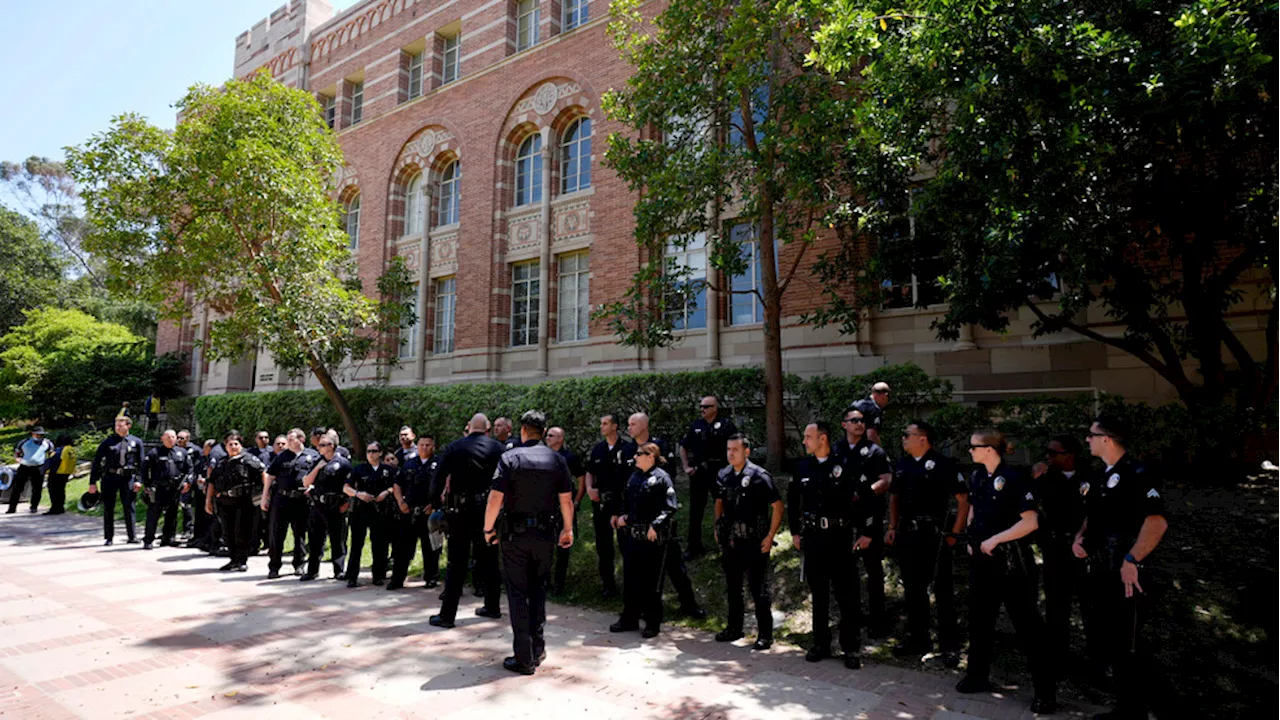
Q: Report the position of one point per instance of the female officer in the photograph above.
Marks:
(649, 504)
(1002, 515)
(369, 486)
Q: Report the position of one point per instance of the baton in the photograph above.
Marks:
(662, 569)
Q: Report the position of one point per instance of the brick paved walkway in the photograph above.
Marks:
(93, 632)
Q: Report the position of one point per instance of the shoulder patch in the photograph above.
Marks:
(1030, 496)
(865, 451)
(1153, 493)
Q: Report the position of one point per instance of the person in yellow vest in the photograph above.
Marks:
(66, 466)
(124, 411)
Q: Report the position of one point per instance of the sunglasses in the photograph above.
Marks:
(975, 447)
(707, 407)
(644, 453)
(859, 421)
(324, 444)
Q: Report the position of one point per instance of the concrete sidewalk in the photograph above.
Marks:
(93, 632)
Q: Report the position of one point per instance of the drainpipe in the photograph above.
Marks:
(424, 281)
(544, 264)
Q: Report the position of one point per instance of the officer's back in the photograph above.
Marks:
(470, 463)
(531, 478)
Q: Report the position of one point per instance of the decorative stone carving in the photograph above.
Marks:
(345, 175)
(524, 232)
(444, 255)
(412, 255)
(571, 221)
(545, 98)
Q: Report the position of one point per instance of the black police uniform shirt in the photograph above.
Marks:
(531, 479)
(289, 468)
(511, 443)
(705, 442)
(1119, 501)
(630, 447)
(371, 479)
(872, 412)
(607, 468)
(747, 496)
(1062, 500)
(404, 453)
(114, 454)
(333, 475)
(165, 467)
(924, 486)
(243, 470)
(468, 464)
(650, 499)
(867, 461)
(571, 459)
(827, 488)
(998, 500)
(415, 479)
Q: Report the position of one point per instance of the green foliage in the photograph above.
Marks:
(30, 270)
(1112, 153)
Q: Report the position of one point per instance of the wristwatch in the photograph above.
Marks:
(1129, 558)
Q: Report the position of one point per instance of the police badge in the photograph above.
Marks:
(999, 483)
(866, 451)
(716, 426)
(1114, 480)
(1084, 489)
(836, 471)
(929, 464)
(746, 481)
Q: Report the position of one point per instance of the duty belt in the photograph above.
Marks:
(920, 522)
(419, 510)
(518, 524)
(328, 498)
(121, 471)
(295, 493)
(237, 491)
(825, 523)
(464, 502)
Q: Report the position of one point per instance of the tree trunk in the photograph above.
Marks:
(340, 404)
(775, 421)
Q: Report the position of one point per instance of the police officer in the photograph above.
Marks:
(214, 535)
(923, 483)
(530, 485)
(748, 513)
(1124, 523)
(164, 470)
(606, 478)
(324, 486)
(115, 466)
(872, 408)
(408, 446)
(262, 448)
(369, 487)
(638, 428)
(318, 433)
(870, 464)
(702, 452)
(232, 483)
(412, 491)
(1002, 571)
(184, 491)
(266, 453)
(284, 498)
(502, 433)
(649, 508)
(462, 481)
(555, 441)
(1058, 485)
(829, 522)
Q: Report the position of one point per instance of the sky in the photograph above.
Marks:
(74, 65)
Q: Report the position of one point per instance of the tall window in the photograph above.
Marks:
(528, 14)
(529, 170)
(357, 102)
(329, 104)
(413, 206)
(524, 303)
(575, 13)
(351, 222)
(415, 74)
(745, 307)
(575, 157)
(573, 299)
(913, 277)
(446, 304)
(409, 334)
(689, 267)
(451, 59)
(450, 198)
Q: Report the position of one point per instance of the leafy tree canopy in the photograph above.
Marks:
(30, 270)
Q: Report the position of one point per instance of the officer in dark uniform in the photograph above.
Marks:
(870, 464)
(164, 470)
(369, 486)
(115, 466)
(462, 481)
(286, 503)
(233, 482)
(214, 535)
(184, 491)
(748, 513)
(318, 433)
(702, 453)
(1002, 570)
(262, 447)
(638, 428)
(1124, 523)
(606, 478)
(872, 408)
(266, 453)
(407, 447)
(555, 441)
(198, 488)
(324, 486)
(502, 433)
(530, 486)
(412, 490)
(830, 521)
(923, 483)
(1058, 484)
(649, 508)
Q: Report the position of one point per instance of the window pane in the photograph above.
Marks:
(690, 266)
(528, 13)
(415, 75)
(573, 298)
(413, 206)
(357, 102)
(575, 13)
(409, 333)
(575, 168)
(450, 202)
(445, 305)
(451, 54)
(351, 222)
(524, 304)
(746, 307)
(529, 171)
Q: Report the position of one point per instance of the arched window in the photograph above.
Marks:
(351, 221)
(529, 171)
(450, 202)
(413, 206)
(575, 157)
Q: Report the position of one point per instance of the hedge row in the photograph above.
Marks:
(1170, 433)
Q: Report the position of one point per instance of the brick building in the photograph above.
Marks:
(473, 139)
